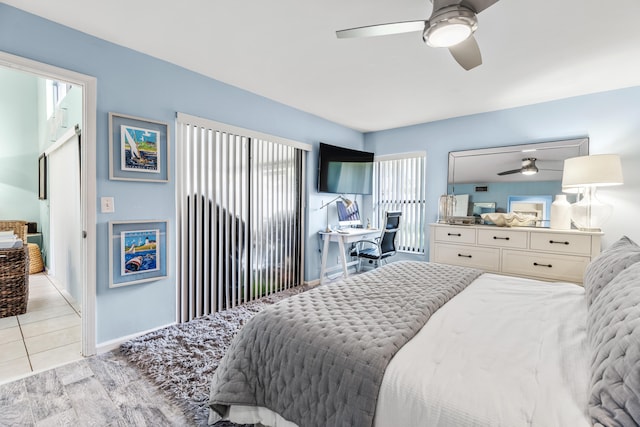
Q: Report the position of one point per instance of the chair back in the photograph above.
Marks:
(388, 237)
(19, 228)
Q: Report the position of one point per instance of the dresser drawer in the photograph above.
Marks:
(502, 238)
(561, 243)
(548, 266)
(468, 256)
(456, 234)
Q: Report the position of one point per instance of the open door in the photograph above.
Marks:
(65, 258)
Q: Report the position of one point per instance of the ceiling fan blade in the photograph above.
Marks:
(510, 172)
(479, 5)
(382, 29)
(467, 53)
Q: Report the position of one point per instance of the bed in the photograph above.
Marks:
(496, 351)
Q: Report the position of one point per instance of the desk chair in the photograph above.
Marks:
(382, 247)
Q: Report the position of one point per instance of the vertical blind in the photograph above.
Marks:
(399, 185)
(239, 203)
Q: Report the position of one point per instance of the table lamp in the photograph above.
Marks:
(588, 173)
(347, 204)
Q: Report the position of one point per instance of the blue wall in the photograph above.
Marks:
(609, 119)
(499, 192)
(135, 84)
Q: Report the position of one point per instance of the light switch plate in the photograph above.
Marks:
(107, 205)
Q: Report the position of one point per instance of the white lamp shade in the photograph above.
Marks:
(592, 171)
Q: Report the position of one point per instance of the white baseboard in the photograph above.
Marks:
(312, 283)
(114, 344)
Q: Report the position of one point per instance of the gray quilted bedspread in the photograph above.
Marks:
(318, 358)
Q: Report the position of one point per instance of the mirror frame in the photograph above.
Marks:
(580, 144)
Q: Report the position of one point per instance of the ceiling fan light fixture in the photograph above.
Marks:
(451, 26)
(529, 166)
(448, 35)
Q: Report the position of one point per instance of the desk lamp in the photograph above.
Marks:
(589, 173)
(347, 203)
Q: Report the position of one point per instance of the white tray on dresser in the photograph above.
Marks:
(541, 253)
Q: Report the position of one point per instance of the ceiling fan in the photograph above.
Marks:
(529, 167)
(451, 25)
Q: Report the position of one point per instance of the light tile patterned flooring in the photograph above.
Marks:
(103, 390)
(47, 335)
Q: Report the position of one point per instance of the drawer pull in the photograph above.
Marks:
(464, 256)
(558, 242)
(500, 238)
(454, 234)
(542, 265)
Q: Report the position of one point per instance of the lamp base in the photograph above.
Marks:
(589, 213)
(590, 229)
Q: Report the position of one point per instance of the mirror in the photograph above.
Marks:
(493, 178)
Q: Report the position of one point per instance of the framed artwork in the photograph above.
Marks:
(483, 207)
(42, 177)
(137, 252)
(462, 205)
(138, 149)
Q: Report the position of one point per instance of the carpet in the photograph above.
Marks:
(182, 358)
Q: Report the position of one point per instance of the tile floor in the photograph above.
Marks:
(103, 390)
(47, 335)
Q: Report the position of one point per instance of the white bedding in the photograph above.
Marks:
(505, 352)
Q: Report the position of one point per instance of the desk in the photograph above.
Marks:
(355, 235)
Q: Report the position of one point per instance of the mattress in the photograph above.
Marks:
(506, 352)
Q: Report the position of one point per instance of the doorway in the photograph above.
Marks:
(87, 183)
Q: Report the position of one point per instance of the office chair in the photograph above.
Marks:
(383, 247)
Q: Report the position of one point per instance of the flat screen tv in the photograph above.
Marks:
(345, 171)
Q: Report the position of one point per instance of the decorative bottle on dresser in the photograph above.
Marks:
(561, 213)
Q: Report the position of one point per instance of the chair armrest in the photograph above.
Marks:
(358, 246)
(367, 241)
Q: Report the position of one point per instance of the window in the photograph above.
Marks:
(55, 93)
(399, 185)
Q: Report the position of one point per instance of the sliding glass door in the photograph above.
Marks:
(239, 215)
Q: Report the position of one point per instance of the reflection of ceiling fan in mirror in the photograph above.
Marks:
(451, 25)
(529, 167)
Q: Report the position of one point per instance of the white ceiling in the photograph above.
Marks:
(286, 50)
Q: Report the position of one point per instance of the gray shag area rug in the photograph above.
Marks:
(182, 358)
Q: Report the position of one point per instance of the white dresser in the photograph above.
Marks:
(540, 253)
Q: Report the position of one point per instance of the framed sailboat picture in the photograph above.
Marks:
(137, 252)
(138, 149)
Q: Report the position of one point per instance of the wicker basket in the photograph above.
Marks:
(18, 227)
(14, 281)
(35, 259)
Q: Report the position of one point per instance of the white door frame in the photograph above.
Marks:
(87, 179)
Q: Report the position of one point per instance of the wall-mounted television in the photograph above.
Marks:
(345, 171)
